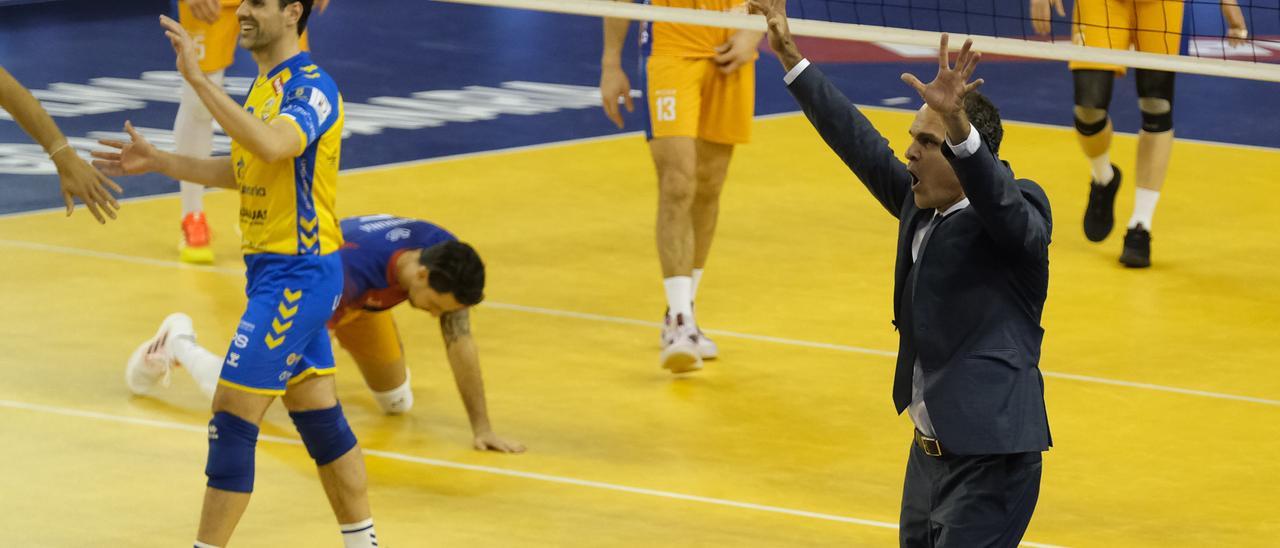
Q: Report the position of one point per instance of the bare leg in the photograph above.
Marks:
(712, 166)
(675, 159)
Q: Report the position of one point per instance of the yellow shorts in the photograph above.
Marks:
(370, 337)
(216, 41)
(688, 97)
(1153, 26)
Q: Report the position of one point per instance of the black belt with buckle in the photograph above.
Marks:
(929, 445)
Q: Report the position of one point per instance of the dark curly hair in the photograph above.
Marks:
(455, 268)
(306, 12)
(986, 118)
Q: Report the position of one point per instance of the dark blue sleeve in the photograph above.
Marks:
(852, 137)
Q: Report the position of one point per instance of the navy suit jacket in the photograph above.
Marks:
(970, 307)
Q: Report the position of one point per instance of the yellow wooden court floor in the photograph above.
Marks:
(1163, 385)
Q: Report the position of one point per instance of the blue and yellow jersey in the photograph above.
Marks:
(287, 207)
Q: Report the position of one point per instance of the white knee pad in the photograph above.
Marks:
(397, 400)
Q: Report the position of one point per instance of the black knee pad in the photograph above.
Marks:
(1090, 128)
(1093, 88)
(1155, 84)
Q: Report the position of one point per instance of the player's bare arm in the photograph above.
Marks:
(78, 179)
(279, 140)
(1237, 30)
(139, 156)
(465, 361)
(615, 87)
(205, 10)
(1040, 18)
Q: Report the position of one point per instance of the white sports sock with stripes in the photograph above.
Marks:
(359, 535)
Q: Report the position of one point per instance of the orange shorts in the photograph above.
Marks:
(216, 41)
(371, 337)
(1153, 26)
(688, 97)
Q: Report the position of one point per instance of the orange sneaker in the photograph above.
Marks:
(194, 247)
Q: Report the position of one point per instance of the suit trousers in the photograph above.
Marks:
(968, 500)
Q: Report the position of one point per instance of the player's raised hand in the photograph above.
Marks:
(82, 181)
(320, 5)
(184, 47)
(134, 158)
(945, 94)
(1041, 19)
(615, 87)
(488, 441)
(205, 10)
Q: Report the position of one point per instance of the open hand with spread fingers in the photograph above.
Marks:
(134, 158)
(945, 94)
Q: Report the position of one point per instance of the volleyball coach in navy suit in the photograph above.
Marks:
(970, 284)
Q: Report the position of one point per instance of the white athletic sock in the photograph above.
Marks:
(193, 136)
(1100, 166)
(1144, 207)
(204, 366)
(359, 535)
(679, 295)
(203, 545)
(693, 291)
(397, 400)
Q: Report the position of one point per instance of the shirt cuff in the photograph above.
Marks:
(795, 71)
(969, 146)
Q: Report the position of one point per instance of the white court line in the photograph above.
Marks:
(596, 139)
(645, 323)
(392, 455)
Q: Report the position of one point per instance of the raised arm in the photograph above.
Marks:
(1015, 216)
(849, 134)
(464, 359)
(280, 140)
(77, 178)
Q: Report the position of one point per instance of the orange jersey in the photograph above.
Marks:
(676, 40)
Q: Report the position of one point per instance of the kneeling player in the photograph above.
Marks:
(385, 260)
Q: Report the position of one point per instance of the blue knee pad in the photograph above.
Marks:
(232, 441)
(325, 432)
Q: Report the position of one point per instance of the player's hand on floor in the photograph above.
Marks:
(134, 158)
(184, 46)
(205, 10)
(488, 441)
(81, 181)
(615, 86)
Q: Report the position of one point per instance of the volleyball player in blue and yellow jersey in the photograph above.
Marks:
(284, 160)
(215, 27)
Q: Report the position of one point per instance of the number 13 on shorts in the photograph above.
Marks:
(665, 108)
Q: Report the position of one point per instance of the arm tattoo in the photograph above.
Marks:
(454, 325)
